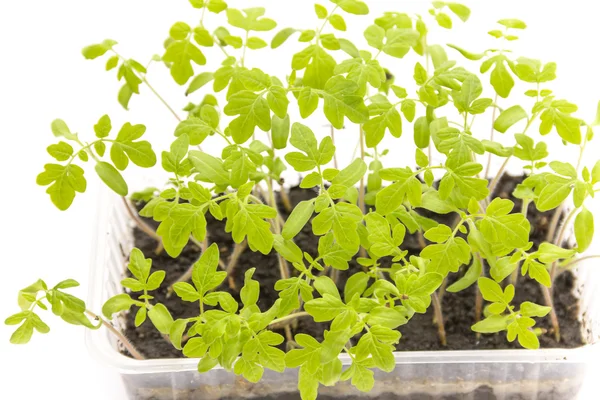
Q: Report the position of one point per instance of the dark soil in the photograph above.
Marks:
(419, 334)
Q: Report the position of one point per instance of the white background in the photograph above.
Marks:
(43, 76)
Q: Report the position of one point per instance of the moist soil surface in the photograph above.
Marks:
(419, 334)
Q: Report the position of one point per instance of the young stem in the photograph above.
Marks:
(553, 317)
(238, 249)
(559, 240)
(283, 267)
(160, 98)
(332, 131)
(130, 348)
(285, 199)
(489, 160)
(577, 261)
(361, 190)
(439, 318)
(551, 235)
(514, 276)
(188, 273)
(478, 308)
(288, 318)
(499, 175)
(144, 227)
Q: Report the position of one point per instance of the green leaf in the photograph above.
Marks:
(61, 151)
(250, 19)
(112, 178)
(520, 329)
(351, 174)
(318, 63)
(553, 195)
(406, 185)
(444, 20)
(209, 168)
(278, 101)
(491, 324)
(375, 35)
(125, 148)
(425, 285)
(386, 317)
(60, 129)
(461, 11)
(512, 230)
(501, 79)
(337, 22)
(124, 96)
(180, 54)
(399, 41)
(468, 55)
(509, 117)
(490, 290)
(161, 318)
(252, 110)
(325, 308)
(341, 100)
(550, 253)
(584, 229)
(103, 127)
(298, 218)
(469, 278)
(118, 303)
(421, 132)
(249, 222)
(513, 23)
(597, 120)
(97, 50)
(529, 309)
(447, 256)
(282, 36)
(280, 131)
(567, 126)
(352, 6)
(357, 283)
(199, 81)
(64, 181)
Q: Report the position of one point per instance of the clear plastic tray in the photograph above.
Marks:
(475, 374)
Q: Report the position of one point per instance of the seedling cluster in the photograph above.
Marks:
(363, 211)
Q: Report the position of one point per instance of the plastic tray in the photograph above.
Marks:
(475, 374)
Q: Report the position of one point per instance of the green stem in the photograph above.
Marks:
(489, 161)
(126, 343)
(289, 317)
(162, 100)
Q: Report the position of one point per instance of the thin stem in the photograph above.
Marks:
(144, 227)
(560, 239)
(130, 348)
(283, 267)
(361, 190)
(160, 98)
(550, 236)
(289, 318)
(439, 318)
(285, 199)
(577, 261)
(478, 301)
(332, 131)
(496, 179)
(244, 50)
(489, 161)
(553, 317)
(238, 249)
